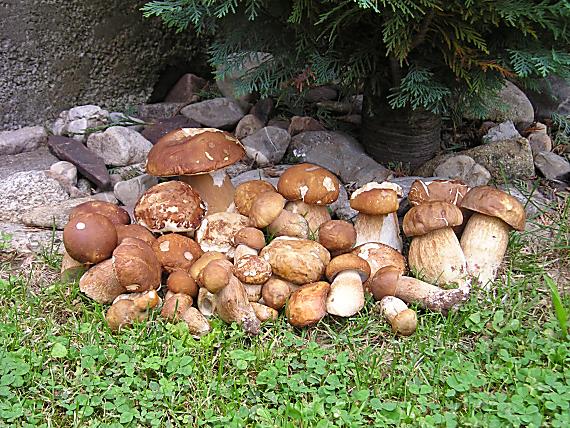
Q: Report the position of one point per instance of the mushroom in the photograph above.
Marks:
(71, 269)
(289, 224)
(206, 302)
(133, 296)
(347, 273)
(275, 292)
(309, 188)
(246, 193)
(252, 269)
(171, 206)
(180, 281)
(267, 210)
(100, 283)
(538, 138)
(175, 251)
(199, 157)
(435, 252)
(232, 305)
(337, 236)
(389, 281)
(307, 305)
(403, 320)
(486, 235)
(299, 261)
(378, 256)
(134, 231)
(203, 261)
(216, 275)
(136, 266)
(179, 307)
(217, 231)
(377, 220)
(126, 311)
(89, 238)
(264, 313)
(115, 214)
(248, 241)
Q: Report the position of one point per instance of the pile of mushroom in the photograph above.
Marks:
(245, 254)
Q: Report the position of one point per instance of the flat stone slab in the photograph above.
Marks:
(38, 160)
(31, 240)
(87, 163)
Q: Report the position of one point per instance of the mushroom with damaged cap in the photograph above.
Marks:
(307, 305)
(175, 251)
(217, 230)
(378, 256)
(199, 157)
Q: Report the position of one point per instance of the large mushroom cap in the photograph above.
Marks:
(430, 216)
(310, 183)
(450, 191)
(307, 305)
(495, 203)
(136, 265)
(89, 238)
(248, 191)
(252, 269)
(193, 151)
(217, 231)
(115, 214)
(379, 255)
(172, 206)
(337, 235)
(375, 199)
(176, 252)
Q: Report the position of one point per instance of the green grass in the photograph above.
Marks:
(500, 361)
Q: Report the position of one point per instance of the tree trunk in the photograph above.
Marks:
(411, 137)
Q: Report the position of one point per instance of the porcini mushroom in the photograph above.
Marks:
(175, 251)
(267, 210)
(435, 253)
(89, 238)
(216, 275)
(217, 231)
(100, 283)
(337, 236)
(378, 256)
(246, 193)
(307, 305)
(486, 235)
(136, 265)
(232, 305)
(134, 231)
(179, 307)
(248, 240)
(199, 157)
(347, 273)
(263, 312)
(115, 214)
(404, 321)
(126, 311)
(377, 221)
(180, 281)
(203, 261)
(275, 292)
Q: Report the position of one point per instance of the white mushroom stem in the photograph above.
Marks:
(346, 296)
(378, 228)
(437, 257)
(215, 189)
(484, 242)
(402, 319)
(206, 302)
(314, 214)
(244, 250)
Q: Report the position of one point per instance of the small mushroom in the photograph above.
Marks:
(203, 261)
(175, 251)
(115, 214)
(217, 231)
(275, 292)
(71, 269)
(264, 313)
(265, 209)
(246, 193)
(337, 236)
(216, 275)
(89, 238)
(179, 307)
(307, 305)
(206, 302)
(378, 256)
(100, 283)
(289, 224)
(404, 321)
(486, 235)
(347, 273)
(233, 305)
(253, 270)
(248, 240)
(180, 281)
(136, 266)
(126, 311)
(133, 296)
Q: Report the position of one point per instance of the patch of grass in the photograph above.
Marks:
(498, 361)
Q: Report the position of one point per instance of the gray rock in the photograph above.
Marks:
(22, 140)
(37, 160)
(52, 214)
(340, 154)
(222, 113)
(554, 97)
(31, 240)
(503, 131)
(25, 190)
(239, 167)
(159, 129)
(159, 111)
(75, 122)
(106, 197)
(263, 109)
(129, 191)
(119, 146)
(279, 123)
(464, 168)
(65, 169)
(130, 122)
(186, 89)
(517, 107)
(341, 207)
(552, 166)
(300, 124)
(267, 146)
(84, 186)
(128, 172)
(248, 125)
(321, 93)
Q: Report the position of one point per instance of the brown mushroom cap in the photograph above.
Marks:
(136, 265)
(176, 252)
(275, 292)
(193, 151)
(203, 261)
(89, 238)
(405, 323)
(374, 199)
(450, 191)
(379, 255)
(307, 305)
(345, 262)
(134, 231)
(495, 203)
(217, 231)
(216, 275)
(383, 283)
(246, 192)
(337, 235)
(115, 214)
(252, 269)
(430, 216)
(172, 206)
(175, 306)
(310, 183)
(180, 281)
(265, 208)
(251, 237)
(100, 283)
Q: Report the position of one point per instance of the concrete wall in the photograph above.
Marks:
(55, 54)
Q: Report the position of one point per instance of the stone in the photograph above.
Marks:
(127, 172)
(406, 182)
(554, 97)
(25, 190)
(129, 191)
(239, 167)
(84, 186)
(539, 142)
(552, 166)
(87, 163)
(37, 160)
(463, 168)
(222, 113)
(249, 124)
(76, 122)
(514, 105)
(65, 169)
(22, 140)
(186, 89)
(119, 146)
(279, 123)
(52, 215)
(300, 124)
(24, 239)
(106, 197)
(340, 154)
(263, 109)
(159, 129)
(158, 111)
(321, 93)
(500, 132)
(351, 119)
(121, 119)
(267, 146)
(338, 107)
